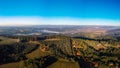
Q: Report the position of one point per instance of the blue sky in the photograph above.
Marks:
(98, 12)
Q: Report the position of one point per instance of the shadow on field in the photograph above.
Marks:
(82, 62)
(49, 60)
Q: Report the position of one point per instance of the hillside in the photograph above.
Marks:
(57, 51)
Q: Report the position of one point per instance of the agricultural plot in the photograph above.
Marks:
(5, 40)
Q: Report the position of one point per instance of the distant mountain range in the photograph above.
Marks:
(70, 30)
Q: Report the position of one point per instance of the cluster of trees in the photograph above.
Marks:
(41, 62)
(60, 48)
(15, 52)
(28, 38)
(0, 39)
(109, 39)
(106, 58)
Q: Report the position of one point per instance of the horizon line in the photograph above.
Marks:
(52, 25)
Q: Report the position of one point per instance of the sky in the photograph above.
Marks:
(59, 12)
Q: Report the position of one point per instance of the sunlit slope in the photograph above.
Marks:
(64, 64)
(5, 40)
(39, 52)
(13, 65)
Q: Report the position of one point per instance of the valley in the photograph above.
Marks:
(66, 50)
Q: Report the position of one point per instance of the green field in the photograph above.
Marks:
(13, 65)
(5, 40)
(36, 54)
(64, 64)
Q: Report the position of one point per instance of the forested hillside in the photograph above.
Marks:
(55, 51)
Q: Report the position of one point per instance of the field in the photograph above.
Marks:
(13, 65)
(36, 54)
(64, 64)
(5, 40)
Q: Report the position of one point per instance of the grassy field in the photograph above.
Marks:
(53, 39)
(13, 65)
(37, 53)
(5, 40)
(64, 64)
